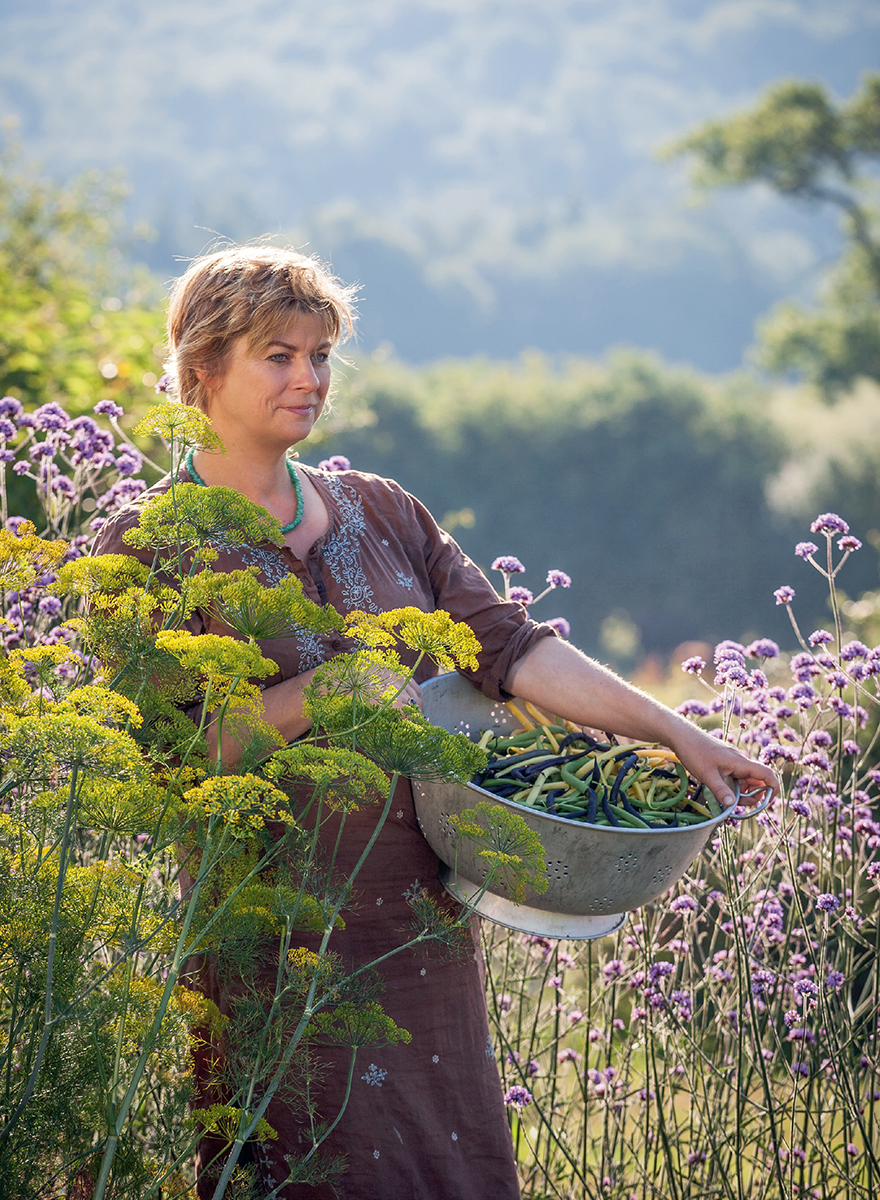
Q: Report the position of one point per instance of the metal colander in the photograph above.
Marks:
(595, 875)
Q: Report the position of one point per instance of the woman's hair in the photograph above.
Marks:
(246, 291)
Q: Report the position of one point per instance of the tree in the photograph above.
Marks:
(802, 144)
(76, 325)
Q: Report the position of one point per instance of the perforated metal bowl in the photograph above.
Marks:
(595, 875)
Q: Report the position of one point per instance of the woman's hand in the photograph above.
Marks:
(559, 678)
(717, 764)
(411, 694)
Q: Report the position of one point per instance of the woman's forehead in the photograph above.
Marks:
(296, 331)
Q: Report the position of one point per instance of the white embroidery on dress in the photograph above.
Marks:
(405, 581)
(490, 1049)
(399, 813)
(274, 568)
(374, 1075)
(435, 1058)
(378, 902)
(413, 892)
(455, 1137)
(375, 1154)
(384, 541)
(424, 971)
(341, 553)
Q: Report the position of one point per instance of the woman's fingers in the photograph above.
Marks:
(411, 694)
(719, 767)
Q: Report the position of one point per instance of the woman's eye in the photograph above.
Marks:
(280, 357)
(322, 357)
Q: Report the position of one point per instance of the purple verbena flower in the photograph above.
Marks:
(129, 462)
(834, 981)
(7, 429)
(774, 751)
(729, 649)
(784, 595)
(165, 384)
(51, 416)
(693, 708)
(827, 902)
(694, 665)
(730, 672)
(612, 970)
(854, 650)
(850, 747)
(820, 737)
(522, 595)
(805, 549)
(561, 626)
(763, 982)
(683, 904)
(508, 565)
(518, 1096)
(819, 637)
(762, 648)
(108, 408)
(841, 707)
(849, 543)
(558, 579)
(792, 1018)
(50, 606)
(829, 523)
(873, 870)
(10, 407)
(336, 462)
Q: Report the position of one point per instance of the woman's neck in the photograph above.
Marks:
(263, 478)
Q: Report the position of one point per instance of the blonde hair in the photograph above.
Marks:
(246, 291)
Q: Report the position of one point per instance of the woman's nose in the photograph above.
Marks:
(304, 377)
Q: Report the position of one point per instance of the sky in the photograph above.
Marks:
(488, 170)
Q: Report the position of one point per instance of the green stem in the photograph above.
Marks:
(48, 1021)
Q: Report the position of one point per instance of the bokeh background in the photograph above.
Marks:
(557, 345)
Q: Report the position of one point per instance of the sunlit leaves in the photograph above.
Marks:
(258, 612)
(349, 1024)
(402, 741)
(342, 778)
(90, 575)
(26, 558)
(190, 517)
(243, 803)
(450, 644)
(180, 423)
(511, 850)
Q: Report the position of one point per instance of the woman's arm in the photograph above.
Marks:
(283, 708)
(556, 676)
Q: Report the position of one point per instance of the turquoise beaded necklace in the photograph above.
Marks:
(291, 471)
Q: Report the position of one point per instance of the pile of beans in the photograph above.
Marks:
(573, 775)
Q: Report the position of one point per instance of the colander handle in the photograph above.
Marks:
(751, 812)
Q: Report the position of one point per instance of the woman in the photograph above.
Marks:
(251, 333)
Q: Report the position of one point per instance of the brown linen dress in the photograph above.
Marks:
(425, 1120)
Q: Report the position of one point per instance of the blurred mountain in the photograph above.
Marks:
(485, 168)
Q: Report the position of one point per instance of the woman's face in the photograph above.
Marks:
(272, 395)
